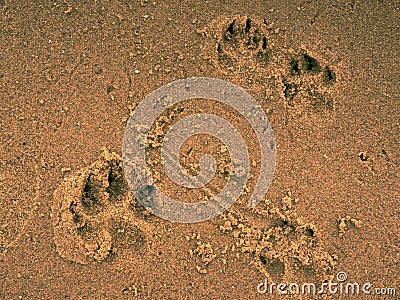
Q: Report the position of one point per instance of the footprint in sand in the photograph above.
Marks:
(94, 217)
(282, 244)
(92, 213)
(308, 85)
(237, 42)
(253, 51)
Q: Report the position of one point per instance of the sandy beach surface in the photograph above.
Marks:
(325, 73)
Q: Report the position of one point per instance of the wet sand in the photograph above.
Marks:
(326, 75)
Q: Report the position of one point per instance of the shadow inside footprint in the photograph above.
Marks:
(117, 186)
(274, 267)
(90, 194)
(309, 64)
(303, 63)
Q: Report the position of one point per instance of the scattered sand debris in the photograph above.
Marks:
(346, 223)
